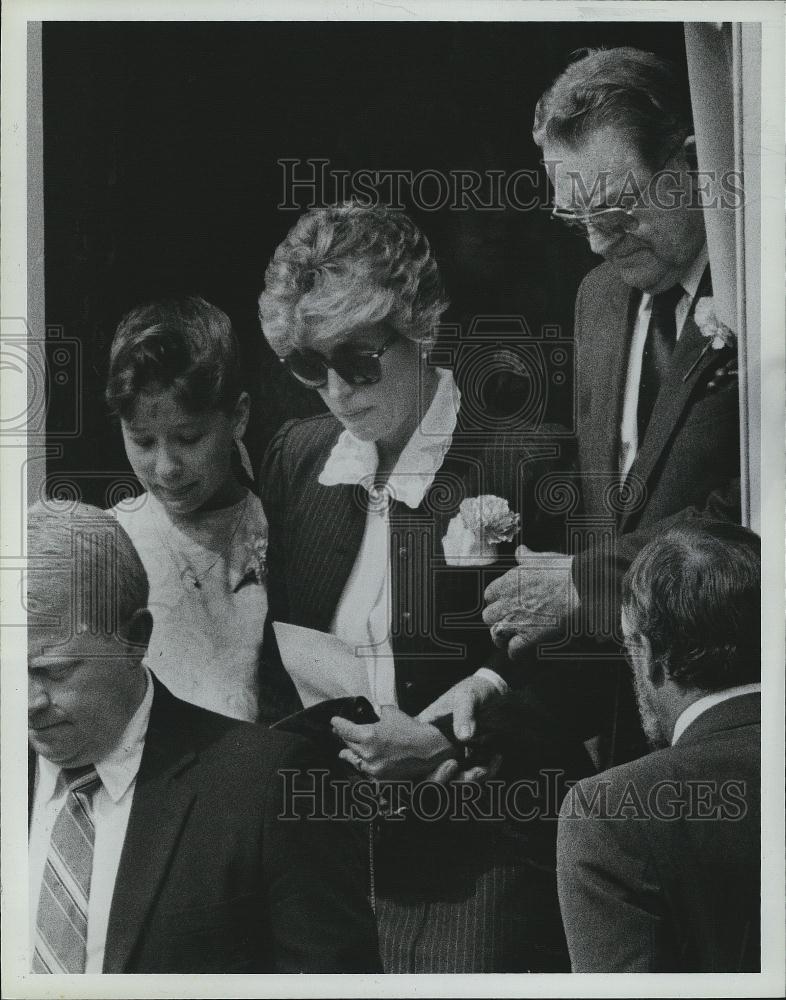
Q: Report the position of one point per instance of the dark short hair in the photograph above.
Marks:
(695, 594)
(624, 87)
(185, 344)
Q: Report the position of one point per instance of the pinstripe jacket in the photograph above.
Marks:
(490, 906)
(316, 531)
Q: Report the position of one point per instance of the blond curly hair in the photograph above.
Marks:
(349, 266)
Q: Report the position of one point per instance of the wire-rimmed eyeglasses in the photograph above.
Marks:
(611, 219)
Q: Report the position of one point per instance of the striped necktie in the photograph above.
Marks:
(61, 922)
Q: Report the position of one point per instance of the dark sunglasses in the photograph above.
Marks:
(354, 366)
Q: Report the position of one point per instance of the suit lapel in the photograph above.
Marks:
(328, 544)
(162, 800)
(687, 368)
(609, 363)
(625, 302)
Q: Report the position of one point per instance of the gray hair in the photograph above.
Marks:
(88, 548)
(626, 88)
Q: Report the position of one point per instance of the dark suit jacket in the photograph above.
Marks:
(688, 464)
(438, 635)
(687, 467)
(210, 880)
(662, 873)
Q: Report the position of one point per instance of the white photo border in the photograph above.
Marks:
(20, 178)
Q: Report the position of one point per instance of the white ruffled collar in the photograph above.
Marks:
(354, 462)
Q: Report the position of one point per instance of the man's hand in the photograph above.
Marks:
(397, 746)
(462, 702)
(452, 771)
(532, 601)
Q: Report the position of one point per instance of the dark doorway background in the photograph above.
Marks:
(161, 144)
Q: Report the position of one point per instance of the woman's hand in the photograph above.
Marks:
(397, 746)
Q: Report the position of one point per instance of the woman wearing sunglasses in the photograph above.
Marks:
(359, 502)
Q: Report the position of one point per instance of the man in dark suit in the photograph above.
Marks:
(164, 838)
(656, 398)
(659, 859)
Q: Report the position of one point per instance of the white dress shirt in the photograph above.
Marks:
(697, 708)
(363, 616)
(111, 808)
(629, 435)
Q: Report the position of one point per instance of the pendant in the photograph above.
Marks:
(189, 576)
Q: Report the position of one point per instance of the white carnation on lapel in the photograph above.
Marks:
(710, 326)
(475, 532)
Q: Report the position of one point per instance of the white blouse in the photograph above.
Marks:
(207, 598)
(363, 615)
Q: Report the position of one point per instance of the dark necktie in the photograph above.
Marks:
(658, 348)
(61, 923)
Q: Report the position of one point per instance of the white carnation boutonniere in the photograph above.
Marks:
(475, 532)
(255, 568)
(711, 327)
(718, 334)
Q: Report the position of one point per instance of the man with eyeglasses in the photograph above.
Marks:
(656, 408)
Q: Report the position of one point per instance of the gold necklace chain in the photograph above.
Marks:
(188, 574)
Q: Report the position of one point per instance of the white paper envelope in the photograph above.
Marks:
(320, 664)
